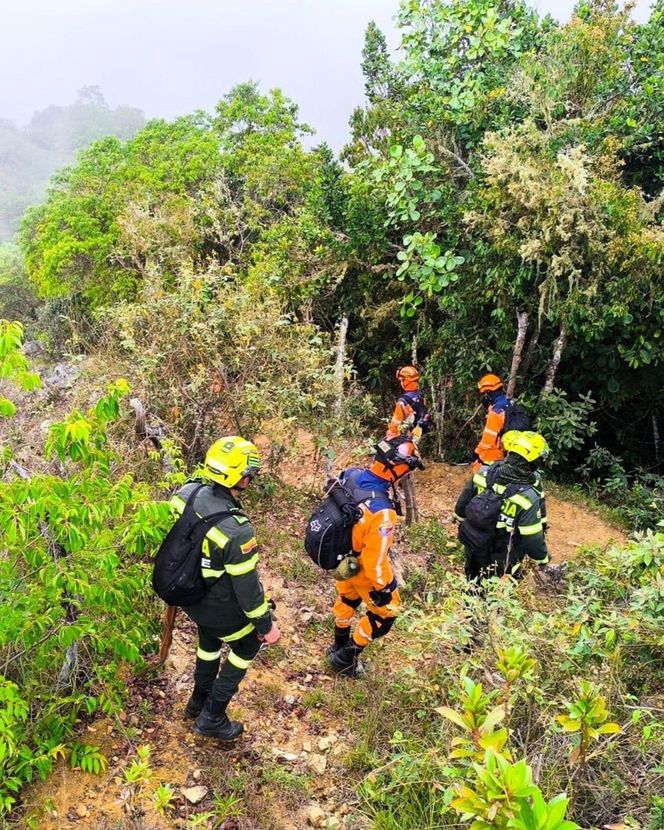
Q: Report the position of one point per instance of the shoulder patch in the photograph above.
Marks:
(386, 528)
(249, 546)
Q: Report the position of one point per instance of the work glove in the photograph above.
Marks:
(382, 597)
(473, 457)
(417, 435)
(271, 604)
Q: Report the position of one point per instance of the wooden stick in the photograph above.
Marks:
(168, 624)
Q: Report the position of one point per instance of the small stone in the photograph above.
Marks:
(194, 795)
(307, 746)
(196, 774)
(325, 743)
(318, 763)
(123, 716)
(315, 816)
(290, 700)
(288, 756)
(332, 823)
(81, 811)
(308, 678)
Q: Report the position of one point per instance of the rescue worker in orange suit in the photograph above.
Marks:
(410, 416)
(367, 576)
(490, 446)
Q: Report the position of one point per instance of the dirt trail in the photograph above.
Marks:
(297, 732)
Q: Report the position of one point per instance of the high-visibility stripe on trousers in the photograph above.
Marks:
(223, 682)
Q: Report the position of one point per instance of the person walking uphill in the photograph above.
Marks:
(234, 610)
(502, 510)
(367, 576)
(410, 416)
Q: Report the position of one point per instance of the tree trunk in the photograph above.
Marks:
(413, 351)
(339, 386)
(410, 498)
(530, 353)
(438, 409)
(522, 328)
(655, 435)
(552, 368)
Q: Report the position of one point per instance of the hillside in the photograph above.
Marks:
(302, 722)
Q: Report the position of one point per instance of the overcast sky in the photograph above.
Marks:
(170, 57)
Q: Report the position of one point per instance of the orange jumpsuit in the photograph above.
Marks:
(373, 535)
(490, 447)
(410, 414)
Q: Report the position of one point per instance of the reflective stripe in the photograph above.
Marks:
(521, 500)
(488, 431)
(262, 609)
(215, 535)
(238, 662)
(210, 572)
(530, 530)
(543, 561)
(242, 567)
(458, 518)
(238, 635)
(207, 655)
(480, 480)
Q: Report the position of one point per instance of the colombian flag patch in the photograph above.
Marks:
(249, 546)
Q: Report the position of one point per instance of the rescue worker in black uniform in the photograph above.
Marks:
(234, 611)
(521, 526)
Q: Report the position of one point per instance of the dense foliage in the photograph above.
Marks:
(505, 165)
(553, 694)
(76, 539)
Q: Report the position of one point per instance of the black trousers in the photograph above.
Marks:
(223, 683)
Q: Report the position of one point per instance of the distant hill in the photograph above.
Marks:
(30, 155)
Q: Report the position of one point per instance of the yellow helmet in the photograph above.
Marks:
(529, 445)
(231, 459)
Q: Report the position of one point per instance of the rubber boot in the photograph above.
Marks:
(195, 703)
(341, 638)
(344, 660)
(213, 722)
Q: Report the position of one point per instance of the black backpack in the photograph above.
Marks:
(329, 535)
(516, 417)
(478, 532)
(176, 576)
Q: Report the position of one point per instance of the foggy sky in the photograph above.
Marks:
(170, 57)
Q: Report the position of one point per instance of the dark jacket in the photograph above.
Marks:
(235, 600)
(524, 511)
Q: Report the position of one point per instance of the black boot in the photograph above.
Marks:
(344, 660)
(195, 703)
(341, 638)
(213, 722)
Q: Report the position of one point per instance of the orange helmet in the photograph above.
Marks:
(408, 377)
(489, 383)
(395, 458)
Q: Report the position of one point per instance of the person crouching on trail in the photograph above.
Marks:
(490, 447)
(367, 576)
(410, 416)
(234, 610)
(495, 544)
